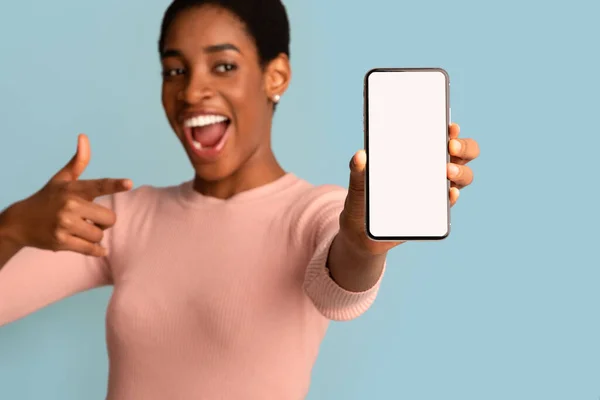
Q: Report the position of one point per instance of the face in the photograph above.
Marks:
(216, 95)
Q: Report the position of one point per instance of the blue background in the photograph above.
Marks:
(505, 308)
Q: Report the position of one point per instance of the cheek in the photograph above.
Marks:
(246, 88)
(249, 100)
(241, 95)
(169, 104)
(168, 100)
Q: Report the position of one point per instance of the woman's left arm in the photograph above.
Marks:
(355, 262)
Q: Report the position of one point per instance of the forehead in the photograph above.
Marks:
(194, 28)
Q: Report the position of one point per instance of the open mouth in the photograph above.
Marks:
(207, 132)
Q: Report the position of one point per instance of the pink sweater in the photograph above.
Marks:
(213, 299)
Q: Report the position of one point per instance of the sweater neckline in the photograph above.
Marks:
(191, 197)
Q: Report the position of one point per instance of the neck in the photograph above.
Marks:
(260, 169)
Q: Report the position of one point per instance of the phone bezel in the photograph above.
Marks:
(366, 145)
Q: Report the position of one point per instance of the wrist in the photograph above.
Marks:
(352, 267)
(9, 231)
(358, 245)
(357, 257)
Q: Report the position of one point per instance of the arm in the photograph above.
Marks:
(54, 243)
(31, 279)
(345, 272)
(341, 280)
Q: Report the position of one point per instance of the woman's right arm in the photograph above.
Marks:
(32, 278)
(53, 244)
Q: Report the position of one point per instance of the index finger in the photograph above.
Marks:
(91, 189)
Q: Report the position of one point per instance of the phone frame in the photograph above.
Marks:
(366, 143)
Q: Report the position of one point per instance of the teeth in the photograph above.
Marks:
(204, 120)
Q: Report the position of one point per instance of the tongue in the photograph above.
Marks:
(209, 135)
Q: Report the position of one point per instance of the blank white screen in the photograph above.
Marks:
(407, 128)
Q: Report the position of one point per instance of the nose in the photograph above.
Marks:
(197, 89)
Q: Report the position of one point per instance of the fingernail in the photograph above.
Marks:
(453, 170)
(457, 145)
(361, 158)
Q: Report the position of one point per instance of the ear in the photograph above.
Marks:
(278, 74)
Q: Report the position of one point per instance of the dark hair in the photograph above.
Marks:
(265, 20)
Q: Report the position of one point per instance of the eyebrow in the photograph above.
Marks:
(208, 49)
(221, 47)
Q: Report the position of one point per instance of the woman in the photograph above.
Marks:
(224, 285)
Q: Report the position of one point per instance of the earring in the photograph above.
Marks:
(276, 98)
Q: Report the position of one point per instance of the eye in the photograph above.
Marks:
(172, 72)
(224, 68)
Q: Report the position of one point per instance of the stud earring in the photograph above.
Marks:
(276, 98)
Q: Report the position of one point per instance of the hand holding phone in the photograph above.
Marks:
(409, 175)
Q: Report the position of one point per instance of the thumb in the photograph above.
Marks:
(78, 163)
(356, 189)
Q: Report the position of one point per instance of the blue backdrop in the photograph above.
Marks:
(506, 308)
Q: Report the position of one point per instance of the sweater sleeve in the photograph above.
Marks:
(36, 278)
(333, 301)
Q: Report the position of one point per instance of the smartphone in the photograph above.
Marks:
(407, 116)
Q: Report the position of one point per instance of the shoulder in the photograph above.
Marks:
(315, 208)
(308, 196)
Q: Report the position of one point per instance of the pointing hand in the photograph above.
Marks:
(63, 215)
